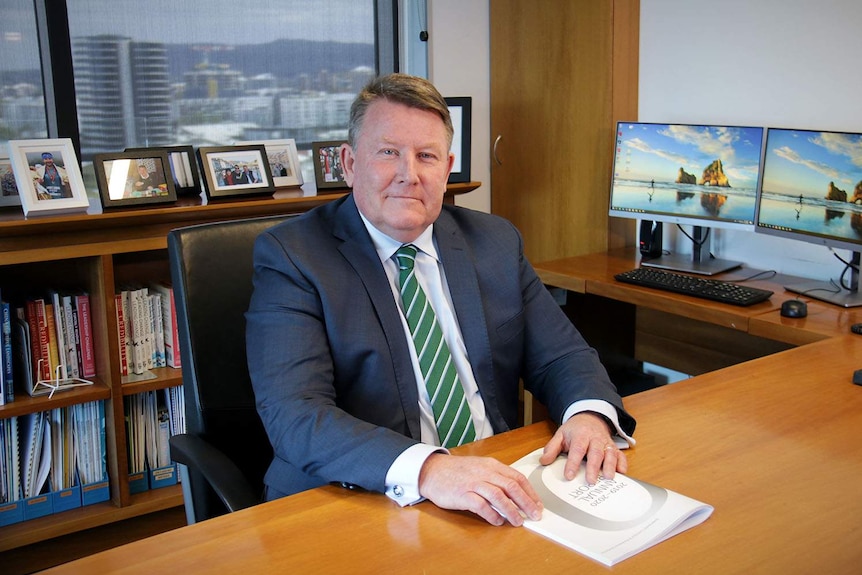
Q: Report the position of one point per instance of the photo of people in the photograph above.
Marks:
(330, 164)
(48, 172)
(135, 178)
(237, 169)
(327, 164)
(282, 159)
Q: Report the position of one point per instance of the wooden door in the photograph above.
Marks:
(562, 71)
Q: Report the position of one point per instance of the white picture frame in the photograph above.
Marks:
(29, 161)
(8, 186)
(283, 160)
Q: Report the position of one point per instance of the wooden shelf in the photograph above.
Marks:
(59, 524)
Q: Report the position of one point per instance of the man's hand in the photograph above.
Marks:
(483, 485)
(586, 433)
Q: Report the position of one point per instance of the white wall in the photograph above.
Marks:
(459, 65)
(779, 63)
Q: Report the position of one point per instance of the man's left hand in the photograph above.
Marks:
(586, 434)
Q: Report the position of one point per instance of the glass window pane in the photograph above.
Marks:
(211, 72)
(22, 103)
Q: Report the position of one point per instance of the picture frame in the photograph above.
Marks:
(222, 164)
(184, 168)
(283, 159)
(328, 172)
(136, 178)
(460, 109)
(63, 191)
(8, 186)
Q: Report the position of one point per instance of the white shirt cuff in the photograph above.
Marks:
(402, 479)
(622, 441)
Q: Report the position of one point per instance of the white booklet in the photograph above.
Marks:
(611, 520)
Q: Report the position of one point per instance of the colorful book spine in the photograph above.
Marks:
(8, 381)
(169, 324)
(53, 349)
(35, 313)
(121, 334)
(85, 327)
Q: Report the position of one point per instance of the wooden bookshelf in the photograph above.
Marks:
(97, 252)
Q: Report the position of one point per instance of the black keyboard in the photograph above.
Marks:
(716, 290)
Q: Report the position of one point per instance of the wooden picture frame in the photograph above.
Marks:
(328, 172)
(8, 186)
(283, 160)
(62, 191)
(184, 168)
(228, 169)
(460, 109)
(136, 178)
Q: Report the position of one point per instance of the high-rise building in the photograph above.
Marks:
(123, 93)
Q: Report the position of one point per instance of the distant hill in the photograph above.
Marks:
(285, 58)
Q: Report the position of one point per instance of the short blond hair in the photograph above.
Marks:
(411, 91)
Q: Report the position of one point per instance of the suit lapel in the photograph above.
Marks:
(358, 249)
(463, 282)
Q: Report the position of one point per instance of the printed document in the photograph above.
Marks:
(611, 520)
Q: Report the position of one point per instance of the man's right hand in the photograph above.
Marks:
(483, 485)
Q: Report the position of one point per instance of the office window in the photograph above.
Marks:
(130, 73)
(209, 72)
(22, 103)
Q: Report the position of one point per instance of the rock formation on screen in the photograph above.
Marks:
(714, 175)
(685, 178)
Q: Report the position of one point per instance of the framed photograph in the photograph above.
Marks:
(283, 160)
(184, 168)
(134, 178)
(231, 171)
(460, 109)
(327, 164)
(48, 176)
(8, 188)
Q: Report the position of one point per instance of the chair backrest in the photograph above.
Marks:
(211, 269)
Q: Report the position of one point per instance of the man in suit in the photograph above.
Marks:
(336, 375)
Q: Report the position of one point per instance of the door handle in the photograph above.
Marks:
(497, 143)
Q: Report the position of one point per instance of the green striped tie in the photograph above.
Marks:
(451, 413)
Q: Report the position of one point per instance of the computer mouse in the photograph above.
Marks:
(794, 308)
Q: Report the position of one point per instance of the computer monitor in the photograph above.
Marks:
(705, 176)
(811, 191)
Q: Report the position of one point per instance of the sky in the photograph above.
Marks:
(658, 151)
(804, 162)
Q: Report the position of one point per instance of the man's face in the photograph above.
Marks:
(399, 168)
(48, 160)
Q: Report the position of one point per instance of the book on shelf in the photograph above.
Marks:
(39, 350)
(53, 349)
(82, 315)
(122, 336)
(158, 329)
(169, 324)
(7, 372)
(611, 520)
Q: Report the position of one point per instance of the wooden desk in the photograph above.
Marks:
(689, 334)
(772, 444)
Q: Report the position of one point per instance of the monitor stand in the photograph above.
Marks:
(699, 262)
(831, 292)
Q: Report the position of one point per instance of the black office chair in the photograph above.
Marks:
(225, 451)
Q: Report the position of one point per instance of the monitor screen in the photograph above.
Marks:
(812, 187)
(811, 190)
(701, 175)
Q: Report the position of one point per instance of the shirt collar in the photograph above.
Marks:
(387, 246)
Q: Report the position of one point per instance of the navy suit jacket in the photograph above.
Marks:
(328, 355)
